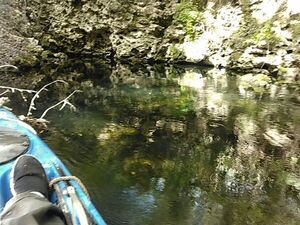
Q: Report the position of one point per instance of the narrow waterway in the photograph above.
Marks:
(182, 146)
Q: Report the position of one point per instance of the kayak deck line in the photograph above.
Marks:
(55, 169)
(68, 178)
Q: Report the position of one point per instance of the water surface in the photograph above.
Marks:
(183, 146)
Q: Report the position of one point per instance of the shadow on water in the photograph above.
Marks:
(165, 145)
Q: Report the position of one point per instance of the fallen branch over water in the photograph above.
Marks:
(63, 102)
(13, 90)
(32, 104)
(39, 123)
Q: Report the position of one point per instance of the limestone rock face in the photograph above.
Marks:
(15, 42)
(244, 35)
(249, 35)
(119, 29)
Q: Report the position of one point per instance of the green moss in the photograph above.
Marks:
(251, 32)
(235, 56)
(188, 15)
(46, 54)
(26, 60)
(282, 69)
(259, 83)
(174, 52)
(266, 33)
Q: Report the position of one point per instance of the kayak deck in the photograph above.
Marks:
(52, 164)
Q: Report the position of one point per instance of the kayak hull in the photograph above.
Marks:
(53, 166)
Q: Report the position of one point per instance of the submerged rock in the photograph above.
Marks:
(259, 82)
(277, 139)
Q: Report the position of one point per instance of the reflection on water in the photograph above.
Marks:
(184, 146)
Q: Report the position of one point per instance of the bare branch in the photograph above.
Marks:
(11, 66)
(32, 105)
(3, 101)
(64, 102)
(41, 123)
(3, 93)
(12, 89)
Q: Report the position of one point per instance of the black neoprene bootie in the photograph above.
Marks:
(28, 175)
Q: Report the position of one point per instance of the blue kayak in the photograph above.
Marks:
(17, 138)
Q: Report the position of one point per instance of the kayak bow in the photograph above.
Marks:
(17, 138)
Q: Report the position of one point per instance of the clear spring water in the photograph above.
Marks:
(183, 146)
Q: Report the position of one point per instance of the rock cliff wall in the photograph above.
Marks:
(260, 36)
(115, 29)
(15, 42)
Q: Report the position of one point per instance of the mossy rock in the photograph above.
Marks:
(46, 54)
(175, 53)
(242, 38)
(266, 33)
(188, 15)
(259, 83)
(26, 60)
(296, 28)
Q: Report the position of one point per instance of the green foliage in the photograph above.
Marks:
(282, 69)
(188, 15)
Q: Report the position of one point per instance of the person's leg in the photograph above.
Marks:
(31, 209)
(30, 205)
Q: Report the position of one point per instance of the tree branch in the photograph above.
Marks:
(64, 102)
(3, 93)
(32, 105)
(11, 66)
(12, 89)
